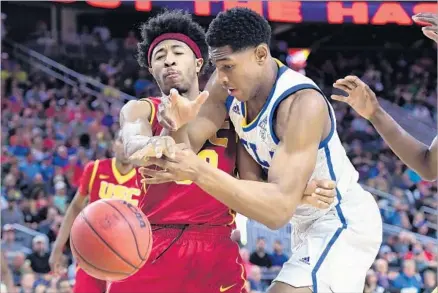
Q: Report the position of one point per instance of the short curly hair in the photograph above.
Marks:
(170, 21)
(239, 28)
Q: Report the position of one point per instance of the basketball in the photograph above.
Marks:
(111, 239)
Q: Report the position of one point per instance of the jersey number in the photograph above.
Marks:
(210, 156)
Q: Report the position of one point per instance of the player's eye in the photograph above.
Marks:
(228, 67)
(179, 53)
(159, 57)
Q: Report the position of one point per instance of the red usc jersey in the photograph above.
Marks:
(184, 202)
(101, 179)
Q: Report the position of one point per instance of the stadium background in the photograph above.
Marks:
(67, 68)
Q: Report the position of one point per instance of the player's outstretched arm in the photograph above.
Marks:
(418, 156)
(274, 202)
(73, 210)
(137, 136)
(194, 122)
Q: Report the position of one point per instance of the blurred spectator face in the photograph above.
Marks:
(60, 188)
(244, 254)
(371, 279)
(255, 274)
(40, 288)
(51, 214)
(10, 181)
(261, 244)
(381, 266)
(27, 281)
(62, 152)
(119, 152)
(63, 286)
(8, 234)
(18, 261)
(409, 268)
(39, 245)
(278, 247)
(173, 66)
(235, 235)
(429, 279)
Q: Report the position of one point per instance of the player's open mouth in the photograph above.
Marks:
(232, 91)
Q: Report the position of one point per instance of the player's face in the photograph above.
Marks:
(174, 65)
(240, 73)
(119, 152)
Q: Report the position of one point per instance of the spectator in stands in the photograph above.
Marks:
(39, 258)
(381, 268)
(131, 41)
(278, 257)
(19, 267)
(142, 84)
(11, 247)
(430, 282)
(259, 257)
(371, 283)
(63, 286)
(244, 254)
(27, 283)
(255, 280)
(408, 278)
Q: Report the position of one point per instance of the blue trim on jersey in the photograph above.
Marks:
(338, 231)
(285, 95)
(228, 103)
(254, 123)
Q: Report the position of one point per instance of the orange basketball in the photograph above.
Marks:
(111, 239)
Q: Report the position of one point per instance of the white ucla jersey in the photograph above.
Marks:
(261, 142)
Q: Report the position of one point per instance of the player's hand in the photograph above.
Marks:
(175, 111)
(182, 167)
(431, 21)
(360, 97)
(156, 148)
(55, 261)
(320, 193)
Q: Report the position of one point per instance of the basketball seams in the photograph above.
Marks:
(132, 231)
(106, 243)
(90, 264)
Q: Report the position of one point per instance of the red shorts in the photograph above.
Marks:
(203, 259)
(85, 283)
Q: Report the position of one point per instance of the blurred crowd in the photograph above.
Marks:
(50, 130)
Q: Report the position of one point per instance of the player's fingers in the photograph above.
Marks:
(339, 98)
(323, 205)
(160, 179)
(173, 97)
(200, 100)
(325, 183)
(345, 83)
(425, 17)
(169, 150)
(431, 34)
(326, 196)
(342, 87)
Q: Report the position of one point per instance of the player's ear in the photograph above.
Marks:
(199, 63)
(261, 53)
(151, 71)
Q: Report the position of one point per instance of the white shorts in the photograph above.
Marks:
(334, 252)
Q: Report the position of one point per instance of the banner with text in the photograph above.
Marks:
(333, 12)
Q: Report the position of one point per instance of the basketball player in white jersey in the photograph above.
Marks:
(287, 129)
(418, 156)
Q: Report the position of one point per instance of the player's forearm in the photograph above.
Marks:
(412, 152)
(261, 201)
(136, 135)
(64, 232)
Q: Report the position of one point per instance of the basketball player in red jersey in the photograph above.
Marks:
(192, 251)
(109, 178)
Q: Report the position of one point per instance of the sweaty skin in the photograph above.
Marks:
(302, 123)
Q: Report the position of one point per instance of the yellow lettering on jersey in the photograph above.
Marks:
(221, 141)
(210, 156)
(110, 190)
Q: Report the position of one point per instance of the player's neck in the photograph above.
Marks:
(255, 105)
(123, 168)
